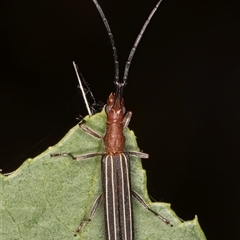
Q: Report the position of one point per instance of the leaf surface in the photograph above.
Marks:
(47, 197)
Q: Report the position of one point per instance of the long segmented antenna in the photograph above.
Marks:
(133, 50)
(115, 56)
(120, 85)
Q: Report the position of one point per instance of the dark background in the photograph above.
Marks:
(183, 90)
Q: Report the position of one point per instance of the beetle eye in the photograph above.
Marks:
(107, 108)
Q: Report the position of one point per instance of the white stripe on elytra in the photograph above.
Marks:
(129, 194)
(123, 196)
(106, 197)
(113, 198)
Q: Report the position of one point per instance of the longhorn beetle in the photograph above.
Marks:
(115, 164)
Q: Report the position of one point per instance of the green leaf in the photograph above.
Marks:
(47, 197)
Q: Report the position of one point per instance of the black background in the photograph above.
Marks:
(183, 90)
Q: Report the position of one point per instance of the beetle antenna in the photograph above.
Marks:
(133, 50)
(120, 85)
(115, 56)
